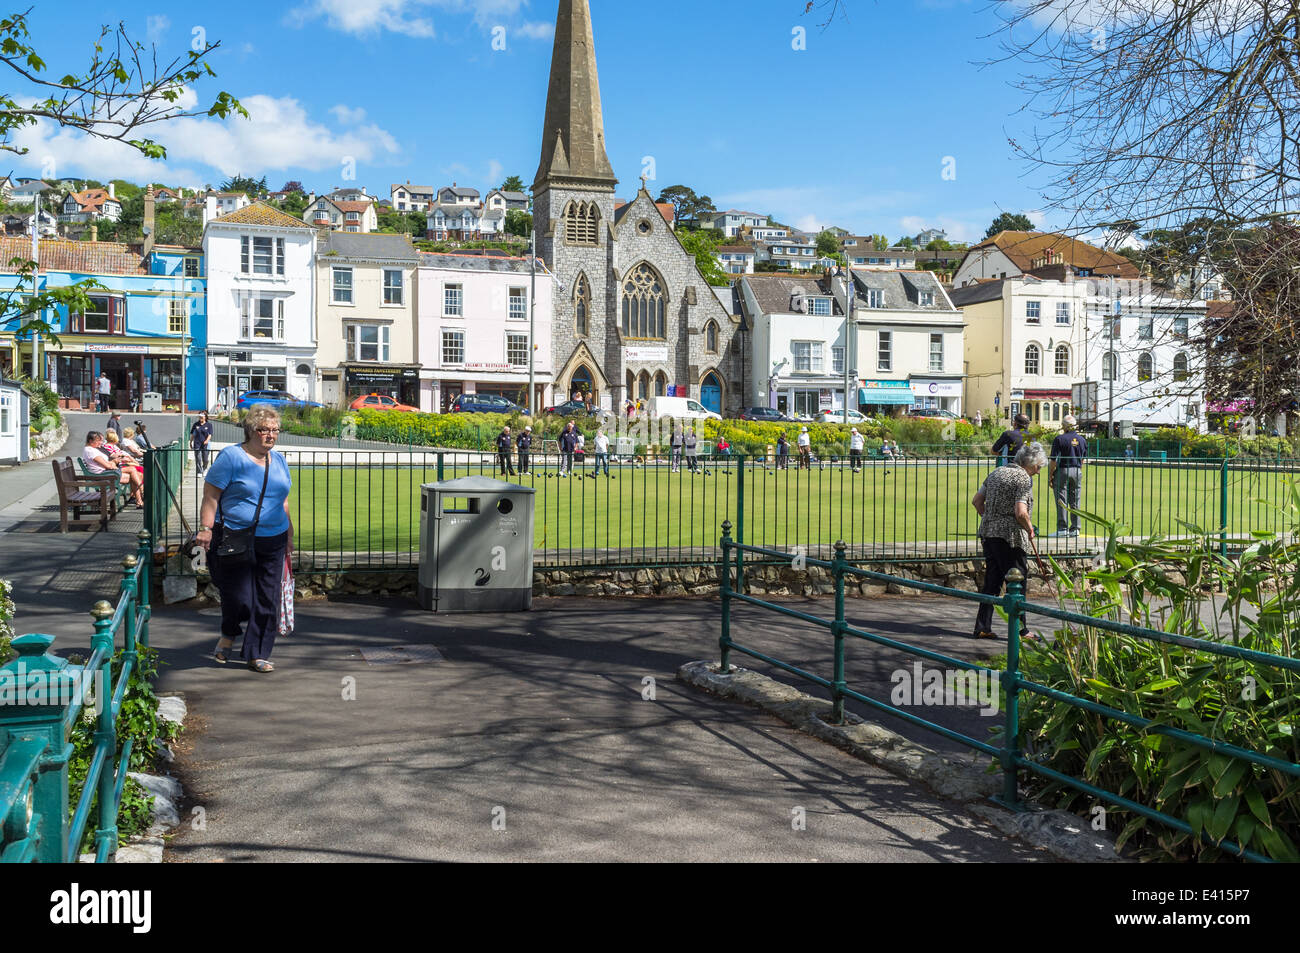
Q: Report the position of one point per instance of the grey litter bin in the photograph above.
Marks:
(150, 402)
(476, 546)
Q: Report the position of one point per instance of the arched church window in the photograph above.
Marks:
(581, 304)
(644, 305)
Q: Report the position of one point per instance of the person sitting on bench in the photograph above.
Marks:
(97, 461)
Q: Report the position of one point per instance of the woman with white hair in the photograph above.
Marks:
(1005, 503)
(245, 525)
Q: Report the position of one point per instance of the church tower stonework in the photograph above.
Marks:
(633, 316)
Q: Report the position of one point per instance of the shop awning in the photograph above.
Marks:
(885, 395)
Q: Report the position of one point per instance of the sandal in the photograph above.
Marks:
(222, 654)
(261, 665)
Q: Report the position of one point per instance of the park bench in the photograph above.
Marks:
(121, 491)
(80, 492)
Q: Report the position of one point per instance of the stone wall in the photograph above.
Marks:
(47, 444)
(665, 583)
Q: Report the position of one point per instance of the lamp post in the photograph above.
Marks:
(850, 310)
(532, 309)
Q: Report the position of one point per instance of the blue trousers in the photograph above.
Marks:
(250, 593)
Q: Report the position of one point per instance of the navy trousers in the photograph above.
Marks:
(250, 593)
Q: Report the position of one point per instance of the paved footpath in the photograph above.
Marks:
(536, 720)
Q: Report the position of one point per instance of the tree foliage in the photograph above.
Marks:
(243, 183)
(518, 222)
(827, 243)
(688, 206)
(512, 184)
(703, 245)
(1009, 222)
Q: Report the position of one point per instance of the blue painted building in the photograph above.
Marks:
(146, 329)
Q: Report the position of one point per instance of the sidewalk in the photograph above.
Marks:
(537, 720)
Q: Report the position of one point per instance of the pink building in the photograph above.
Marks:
(472, 318)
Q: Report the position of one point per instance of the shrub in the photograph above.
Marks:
(1165, 585)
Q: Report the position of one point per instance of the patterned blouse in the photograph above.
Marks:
(1004, 488)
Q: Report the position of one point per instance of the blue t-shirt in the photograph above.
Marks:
(239, 478)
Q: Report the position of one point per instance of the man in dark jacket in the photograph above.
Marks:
(1065, 473)
(504, 449)
(1009, 444)
(525, 444)
(568, 444)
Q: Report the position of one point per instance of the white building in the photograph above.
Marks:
(261, 302)
(90, 205)
(795, 253)
(732, 221)
(472, 332)
(1151, 372)
(909, 346)
(411, 198)
(736, 259)
(345, 215)
(797, 339)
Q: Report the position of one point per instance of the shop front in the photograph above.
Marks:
(131, 369)
(1043, 406)
(438, 393)
(889, 398)
(398, 381)
(937, 393)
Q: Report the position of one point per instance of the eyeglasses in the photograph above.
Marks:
(268, 431)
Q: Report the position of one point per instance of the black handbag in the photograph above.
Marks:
(236, 546)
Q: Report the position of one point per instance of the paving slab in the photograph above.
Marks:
(536, 721)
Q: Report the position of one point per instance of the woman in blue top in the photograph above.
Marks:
(250, 591)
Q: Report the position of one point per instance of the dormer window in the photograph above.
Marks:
(927, 299)
(819, 306)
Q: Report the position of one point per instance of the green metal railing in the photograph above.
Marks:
(361, 508)
(43, 697)
(1010, 752)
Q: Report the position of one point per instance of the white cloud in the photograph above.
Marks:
(347, 115)
(535, 30)
(495, 169)
(365, 17)
(155, 27)
(278, 135)
(818, 205)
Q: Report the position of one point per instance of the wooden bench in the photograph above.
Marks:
(121, 491)
(79, 492)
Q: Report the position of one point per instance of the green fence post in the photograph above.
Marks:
(837, 632)
(144, 553)
(1014, 604)
(130, 595)
(440, 468)
(1223, 508)
(35, 754)
(740, 521)
(106, 736)
(724, 577)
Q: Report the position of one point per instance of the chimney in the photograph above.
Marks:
(148, 221)
(112, 191)
(94, 232)
(209, 208)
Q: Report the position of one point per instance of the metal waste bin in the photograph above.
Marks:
(476, 546)
(150, 402)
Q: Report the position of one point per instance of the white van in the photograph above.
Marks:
(683, 408)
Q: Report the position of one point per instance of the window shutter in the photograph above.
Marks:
(279, 317)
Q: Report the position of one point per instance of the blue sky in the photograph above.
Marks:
(851, 130)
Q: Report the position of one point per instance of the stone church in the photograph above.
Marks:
(633, 315)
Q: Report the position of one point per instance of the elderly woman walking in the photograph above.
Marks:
(245, 526)
(1006, 530)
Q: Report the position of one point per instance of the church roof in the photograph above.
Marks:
(573, 134)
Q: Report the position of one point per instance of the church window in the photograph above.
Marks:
(644, 312)
(711, 337)
(581, 304)
(580, 223)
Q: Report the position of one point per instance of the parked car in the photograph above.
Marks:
(276, 398)
(932, 412)
(837, 416)
(575, 408)
(380, 402)
(484, 404)
(765, 414)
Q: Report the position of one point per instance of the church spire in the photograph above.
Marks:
(573, 137)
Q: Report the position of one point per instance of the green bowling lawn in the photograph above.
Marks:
(884, 507)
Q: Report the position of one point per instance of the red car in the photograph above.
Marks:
(380, 402)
